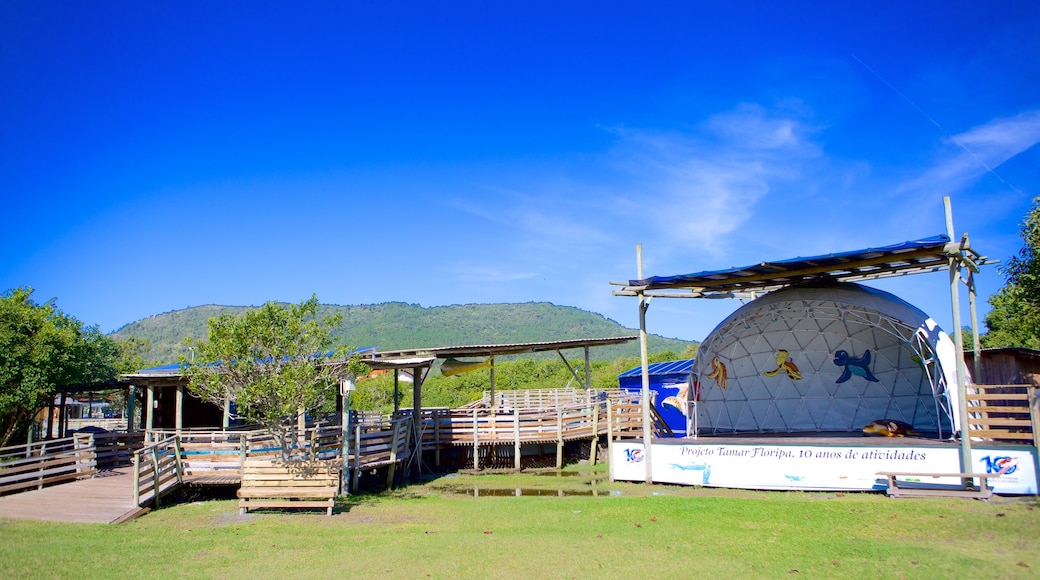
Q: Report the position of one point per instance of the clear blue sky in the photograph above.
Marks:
(161, 155)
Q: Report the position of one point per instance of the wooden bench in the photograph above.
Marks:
(276, 484)
(907, 488)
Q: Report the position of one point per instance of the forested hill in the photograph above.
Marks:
(396, 325)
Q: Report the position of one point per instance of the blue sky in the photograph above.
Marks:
(161, 155)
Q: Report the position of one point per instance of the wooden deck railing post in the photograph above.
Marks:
(595, 433)
(476, 443)
(393, 455)
(516, 438)
(137, 480)
(356, 477)
(610, 438)
(155, 476)
(178, 465)
(559, 438)
(437, 417)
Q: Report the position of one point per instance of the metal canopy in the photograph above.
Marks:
(495, 349)
(914, 257)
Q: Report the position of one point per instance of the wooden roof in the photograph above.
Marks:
(483, 350)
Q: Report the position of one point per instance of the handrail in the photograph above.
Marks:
(33, 466)
(1007, 413)
(158, 470)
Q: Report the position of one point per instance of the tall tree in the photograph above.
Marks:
(1014, 318)
(41, 350)
(272, 361)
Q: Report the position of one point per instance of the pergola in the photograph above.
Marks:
(420, 360)
(926, 255)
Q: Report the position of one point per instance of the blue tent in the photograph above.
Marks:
(666, 380)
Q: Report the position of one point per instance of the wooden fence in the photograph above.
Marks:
(34, 466)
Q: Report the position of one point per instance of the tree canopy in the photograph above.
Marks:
(1014, 318)
(273, 362)
(41, 350)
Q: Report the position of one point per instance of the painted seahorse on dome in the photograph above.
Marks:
(785, 364)
(718, 372)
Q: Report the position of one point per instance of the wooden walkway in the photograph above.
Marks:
(106, 498)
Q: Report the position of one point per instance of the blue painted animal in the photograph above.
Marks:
(859, 366)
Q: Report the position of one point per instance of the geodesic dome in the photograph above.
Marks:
(826, 359)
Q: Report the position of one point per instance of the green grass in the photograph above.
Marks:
(629, 530)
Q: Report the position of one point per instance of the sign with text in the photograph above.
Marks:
(816, 467)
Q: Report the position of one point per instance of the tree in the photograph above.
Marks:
(41, 350)
(273, 361)
(1014, 318)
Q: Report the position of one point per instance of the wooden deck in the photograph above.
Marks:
(106, 498)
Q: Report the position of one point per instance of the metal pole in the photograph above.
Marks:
(962, 379)
(644, 357)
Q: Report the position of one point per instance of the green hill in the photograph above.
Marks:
(397, 325)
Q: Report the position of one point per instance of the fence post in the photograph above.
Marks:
(610, 438)
(437, 418)
(559, 438)
(1034, 414)
(516, 437)
(595, 433)
(476, 443)
(156, 484)
(393, 456)
(178, 465)
(357, 457)
(137, 479)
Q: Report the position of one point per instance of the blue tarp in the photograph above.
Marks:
(923, 254)
(665, 380)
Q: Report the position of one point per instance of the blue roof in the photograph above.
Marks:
(673, 367)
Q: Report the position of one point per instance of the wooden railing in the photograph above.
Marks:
(1007, 413)
(33, 466)
(158, 470)
(116, 449)
(547, 398)
(382, 444)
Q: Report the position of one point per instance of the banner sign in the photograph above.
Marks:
(816, 467)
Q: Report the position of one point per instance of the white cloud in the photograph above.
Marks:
(976, 152)
(711, 179)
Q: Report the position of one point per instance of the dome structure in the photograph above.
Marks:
(826, 358)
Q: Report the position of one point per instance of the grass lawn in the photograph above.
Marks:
(625, 531)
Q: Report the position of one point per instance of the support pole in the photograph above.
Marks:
(588, 371)
(346, 386)
(131, 404)
(962, 379)
(149, 420)
(397, 390)
(976, 345)
(417, 418)
(492, 359)
(63, 419)
(226, 419)
(179, 409)
(644, 358)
